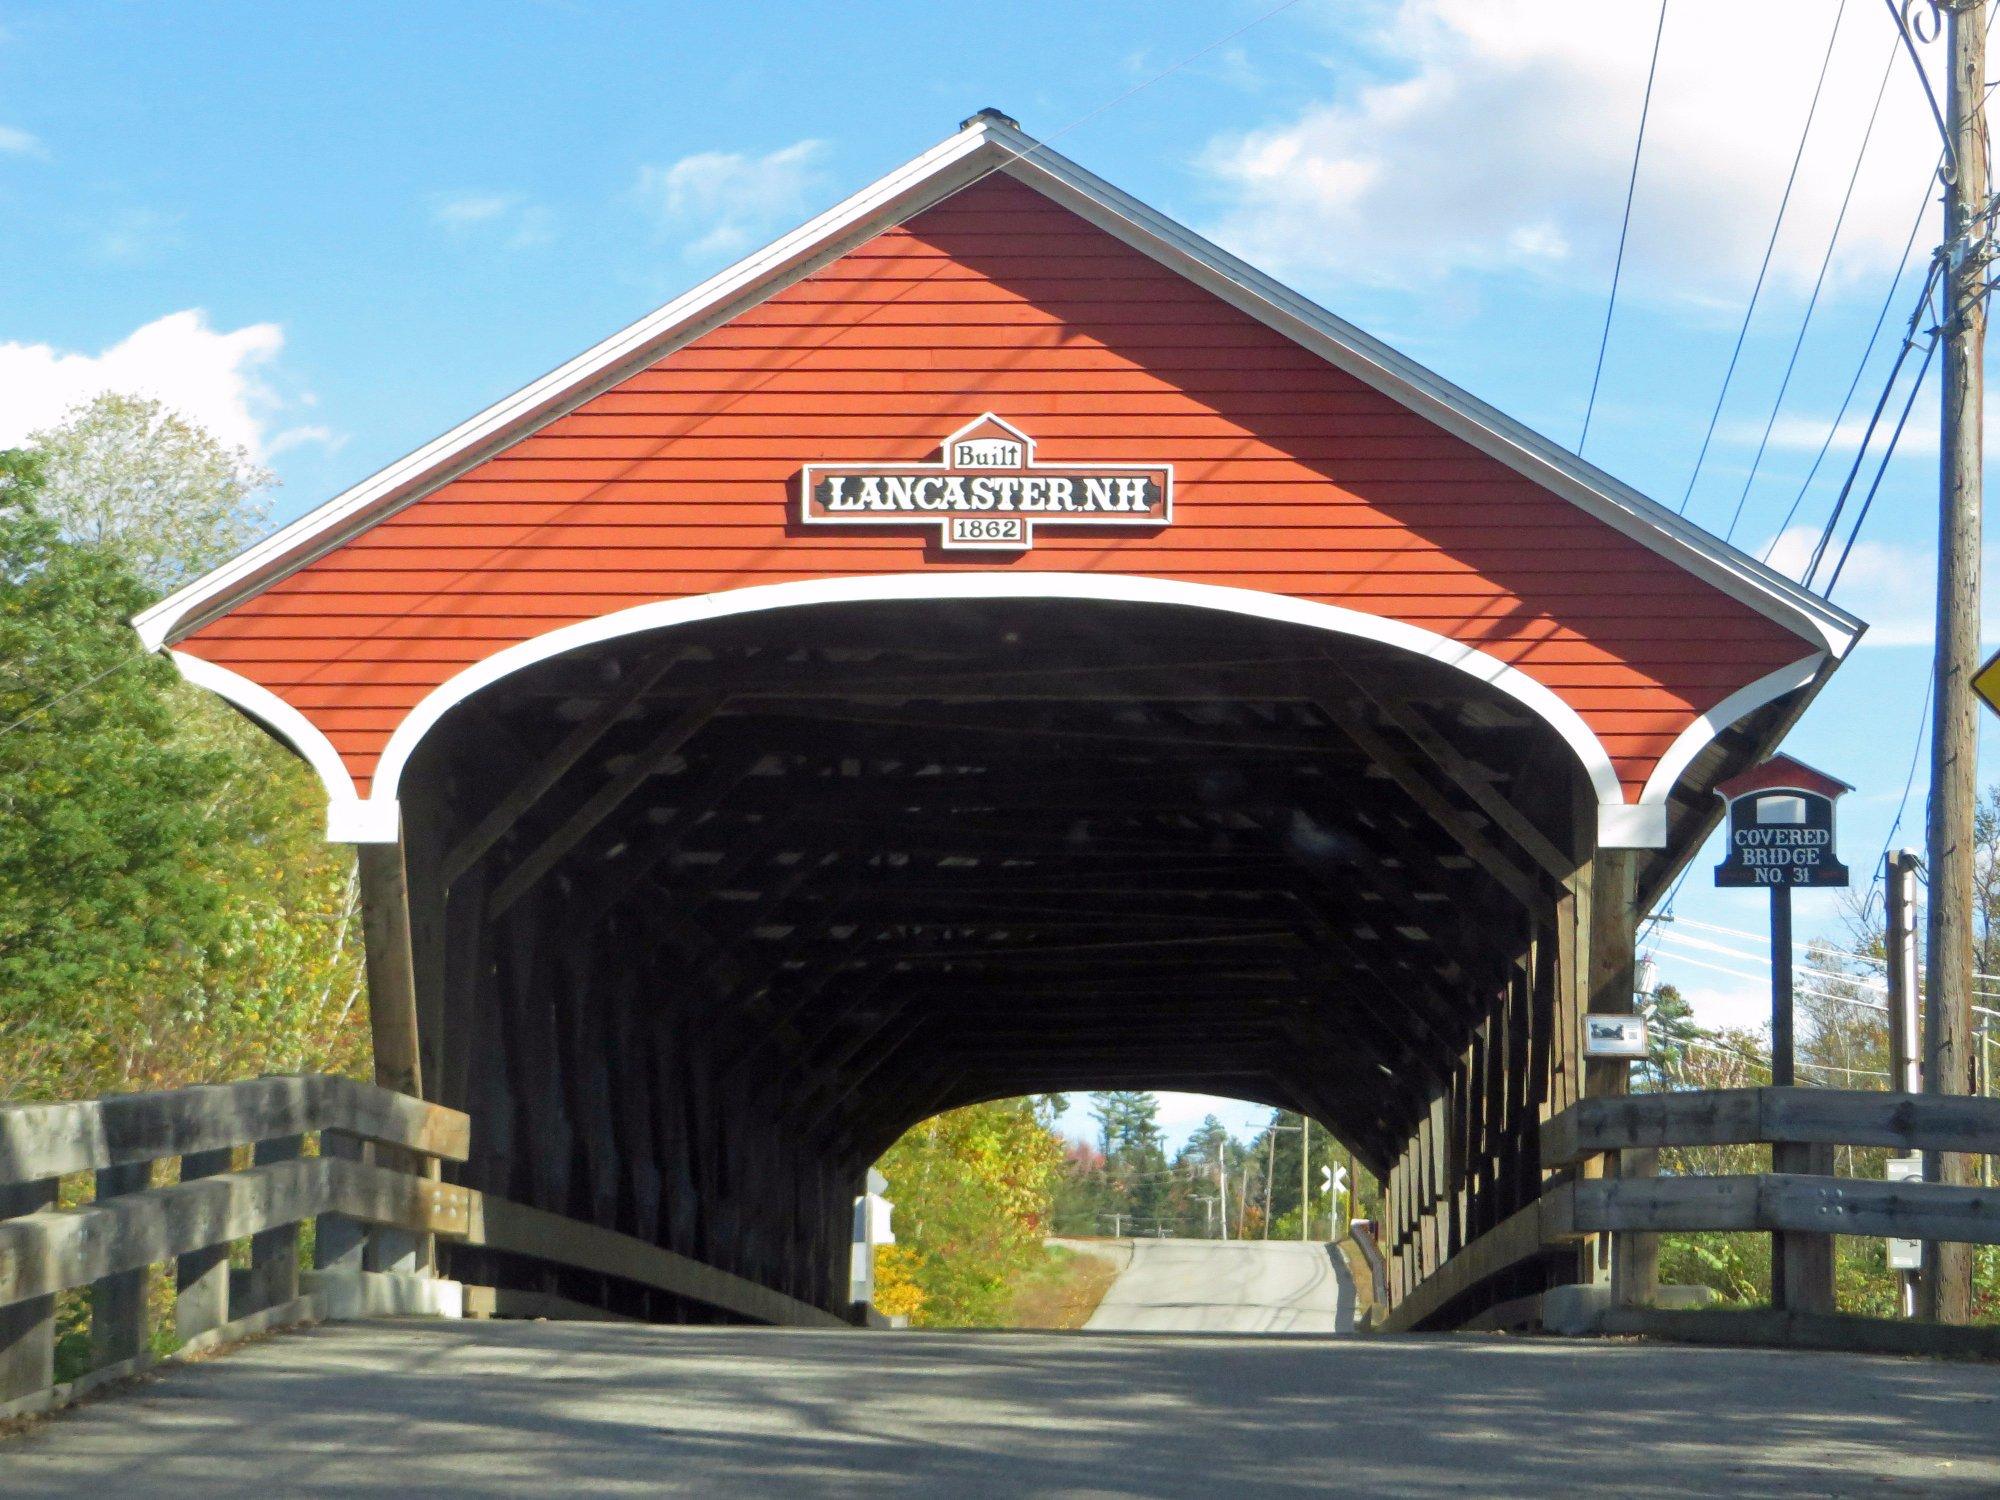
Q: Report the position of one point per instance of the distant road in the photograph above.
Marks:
(1229, 1286)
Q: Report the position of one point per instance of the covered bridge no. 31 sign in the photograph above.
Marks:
(1781, 827)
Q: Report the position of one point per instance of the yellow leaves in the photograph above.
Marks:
(897, 1294)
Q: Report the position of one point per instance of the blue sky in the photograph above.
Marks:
(333, 232)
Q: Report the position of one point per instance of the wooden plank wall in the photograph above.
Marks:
(1292, 477)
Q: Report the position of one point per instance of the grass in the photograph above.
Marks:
(1061, 1290)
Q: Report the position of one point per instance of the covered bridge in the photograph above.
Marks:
(994, 640)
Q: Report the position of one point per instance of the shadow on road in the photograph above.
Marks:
(545, 1408)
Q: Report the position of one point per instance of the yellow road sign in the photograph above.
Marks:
(1986, 682)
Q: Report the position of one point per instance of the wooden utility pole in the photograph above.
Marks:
(1947, 1282)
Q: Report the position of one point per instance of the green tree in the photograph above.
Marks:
(972, 1191)
(127, 476)
(100, 797)
(168, 911)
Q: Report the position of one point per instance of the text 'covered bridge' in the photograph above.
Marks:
(992, 640)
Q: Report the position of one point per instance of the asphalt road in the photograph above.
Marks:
(514, 1409)
(1229, 1286)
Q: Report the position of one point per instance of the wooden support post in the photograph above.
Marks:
(1613, 990)
(27, 1329)
(392, 980)
(118, 1303)
(201, 1277)
(392, 1015)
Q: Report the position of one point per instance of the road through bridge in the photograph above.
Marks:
(519, 1409)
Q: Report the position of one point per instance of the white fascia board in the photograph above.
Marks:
(1521, 448)
(906, 191)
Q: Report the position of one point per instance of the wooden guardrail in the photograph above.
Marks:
(367, 1214)
(1802, 1207)
(1801, 1202)
(371, 1191)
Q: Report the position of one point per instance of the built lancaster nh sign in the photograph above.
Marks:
(987, 492)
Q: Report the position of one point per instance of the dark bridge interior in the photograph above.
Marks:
(704, 919)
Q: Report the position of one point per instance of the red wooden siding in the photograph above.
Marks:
(1291, 477)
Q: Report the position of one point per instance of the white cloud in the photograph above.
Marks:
(136, 234)
(1501, 138)
(721, 202)
(1891, 585)
(517, 221)
(214, 377)
(17, 142)
(454, 210)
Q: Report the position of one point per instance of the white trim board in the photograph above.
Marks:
(377, 820)
(986, 144)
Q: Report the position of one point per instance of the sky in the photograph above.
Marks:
(330, 233)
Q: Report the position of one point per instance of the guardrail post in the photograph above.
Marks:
(118, 1303)
(339, 1243)
(27, 1329)
(201, 1277)
(273, 1278)
(1635, 1258)
(1802, 1264)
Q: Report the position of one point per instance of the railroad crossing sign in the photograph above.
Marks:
(1986, 682)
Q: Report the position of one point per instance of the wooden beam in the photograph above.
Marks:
(392, 979)
(600, 805)
(531, 788)
(1518, 883)
(1464, 775)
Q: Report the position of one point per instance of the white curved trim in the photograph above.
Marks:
(1697, 736)
(348, 818)
(1540, 700)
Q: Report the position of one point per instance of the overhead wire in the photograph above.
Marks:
(1832, 526)
(1881, 319)
(1624, 228)
(1868, 501)
(1812, 301)
(1764, 267)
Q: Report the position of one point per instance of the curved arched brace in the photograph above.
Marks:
(376, 819)
(349, 820)
(1697, 736)
(1540, 700)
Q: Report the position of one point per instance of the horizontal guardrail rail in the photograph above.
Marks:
(372, 1193)
(1755, 1116)
(1801, 1207)
(369, 1215)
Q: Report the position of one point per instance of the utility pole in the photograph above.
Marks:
(1270, 1165)
(1899, 888)
(1222, 1184)
(1947, 1282)
(1305, 1189)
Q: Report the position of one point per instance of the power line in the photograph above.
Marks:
(1832, 525)
(1812, 302)
(1762, 270)
(1868, 502)
(1881, 318)
(1625, 225)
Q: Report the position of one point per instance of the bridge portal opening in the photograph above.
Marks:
(705, 917)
